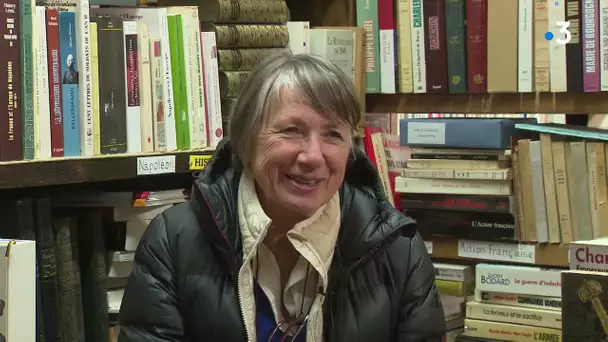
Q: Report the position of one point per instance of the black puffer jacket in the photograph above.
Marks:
(183, 287)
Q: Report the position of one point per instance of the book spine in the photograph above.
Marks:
(83, 35)
(489, 204)
(452, 186)
(112, 100)
(418, 46)
(199, 123)
(574, 49)
(477, 41)
(463, 274)
(367, 17)
(603, 32)
(456, 46)
(212, 88)
(503, 174)
(42, 111)
(27, 76)
(131, 67)
(95, 87)
(520, 300)
(54, 67)
(525, 46)
(145, 79)
(510, 332)
(558, 77)
(157, 84)
(541, 46)
(518, 279)
(68, 56)
(591, 52)
(404, 46)
(514, 314)
(435, 47)
(386, 25)
(11, 143)
(457, 164)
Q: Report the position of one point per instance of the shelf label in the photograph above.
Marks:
(497, 251)
(197, 163)
(156, 165)
(429, 247)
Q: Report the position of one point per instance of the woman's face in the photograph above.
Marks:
(299, 160)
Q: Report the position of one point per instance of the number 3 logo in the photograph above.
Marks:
(563, 29)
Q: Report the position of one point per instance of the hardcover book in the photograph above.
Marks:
(584, 306)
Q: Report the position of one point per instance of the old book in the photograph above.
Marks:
(584, 306)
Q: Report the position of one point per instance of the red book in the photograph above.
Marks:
(52, 41)
(477, 42)
(11, 127)
(435, 47)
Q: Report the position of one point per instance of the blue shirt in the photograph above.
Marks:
(266, 322)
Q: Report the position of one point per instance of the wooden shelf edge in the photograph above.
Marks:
(551, 255)
(63, 171)
(571, 103)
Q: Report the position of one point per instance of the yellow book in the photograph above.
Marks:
(454, 288)
(509, 332)
(95, 89)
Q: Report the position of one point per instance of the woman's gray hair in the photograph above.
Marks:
(307, 78)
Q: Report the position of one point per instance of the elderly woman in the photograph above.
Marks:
(287, 235)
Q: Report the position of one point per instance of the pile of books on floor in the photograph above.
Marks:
(515, 303)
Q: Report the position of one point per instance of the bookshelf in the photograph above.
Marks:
(77, 170)
(541, 103)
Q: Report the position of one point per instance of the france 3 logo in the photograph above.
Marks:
(564, 29)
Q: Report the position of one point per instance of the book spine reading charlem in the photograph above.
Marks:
(112, 93)
(11, 124)
(54, 65)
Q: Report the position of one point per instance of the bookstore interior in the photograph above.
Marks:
(478, 115)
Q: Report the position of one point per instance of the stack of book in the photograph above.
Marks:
(455, 283)
(515, 303)
(457, 183)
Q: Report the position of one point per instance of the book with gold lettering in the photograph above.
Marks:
(584, 306)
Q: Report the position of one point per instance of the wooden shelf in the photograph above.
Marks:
(552, 255)
(572, 103)
(63, 171)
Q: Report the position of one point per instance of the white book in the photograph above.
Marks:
(157, 24)
(298, 36)
(132, 87)
(452, 186)
(42, 106)
(603, 14)
(198, 73)
(453, 272)
(145, 91)
(157, 84)
(17, 290)
(525, 46)
(526, 280)
(85, 98)
(387, 62)
(418, 53)
(557, 52)
(212, 88)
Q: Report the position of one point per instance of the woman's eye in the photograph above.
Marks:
(291, 130)
(335, 134)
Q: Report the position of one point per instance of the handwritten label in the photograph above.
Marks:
(197, 163)
(428, 133)
(155, 165)
(497, 251)
(429, 246)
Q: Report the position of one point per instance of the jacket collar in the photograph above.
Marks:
(368, 219)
